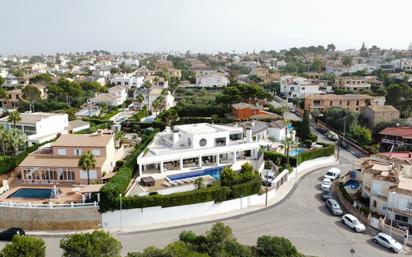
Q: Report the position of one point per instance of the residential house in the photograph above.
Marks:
(265, 74)
(393, 137)
(353, 84)
(39, 127)
(245, 111)
(298, 87)
(353, 102)
(269, 131)
(127, 81)
(193, 147)
(59, 161)
(375, 114)
(115, 97)
(12, 98)
(157, 81)
(212, 80)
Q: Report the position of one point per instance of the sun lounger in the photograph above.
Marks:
(166, 184)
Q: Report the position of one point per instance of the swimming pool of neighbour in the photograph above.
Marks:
(352, 184)
(33, 193)
(296, 151)
(213, 172)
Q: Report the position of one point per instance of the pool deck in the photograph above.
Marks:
(67, 195)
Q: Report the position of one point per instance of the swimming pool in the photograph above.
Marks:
(213, 172)
(296, 151)
(34, 193)
(352, 184)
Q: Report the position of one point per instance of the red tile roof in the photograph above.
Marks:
(397, 131)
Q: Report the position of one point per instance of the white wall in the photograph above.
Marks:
(154, 215)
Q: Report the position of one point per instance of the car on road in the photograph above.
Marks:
(332, 136)
(326, 194)
(332, 174)
(321, 130)
(326, 184)
(333, 207)
(8, 234)
(344, 145)
(388, 242)
(352, 222)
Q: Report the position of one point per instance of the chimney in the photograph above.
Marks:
(175, 136)
(249, 138)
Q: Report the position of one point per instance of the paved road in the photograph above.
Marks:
(302, 218)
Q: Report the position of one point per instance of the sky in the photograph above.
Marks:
(50, 26)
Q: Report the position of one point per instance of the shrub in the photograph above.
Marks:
(345, 194)
(118, 183)
(316, 153)
(244, 189)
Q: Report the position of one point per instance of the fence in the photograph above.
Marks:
(49, 205)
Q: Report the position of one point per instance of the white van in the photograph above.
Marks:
(332, 174)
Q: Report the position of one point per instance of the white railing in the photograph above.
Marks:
(48, 205)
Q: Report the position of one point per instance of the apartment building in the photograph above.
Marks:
(58, 161)
(353, 102)
(353, 84)
(195, 147)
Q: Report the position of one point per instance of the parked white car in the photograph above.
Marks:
(388, 242)
(333, 173)
(352, 222)
(326, 183)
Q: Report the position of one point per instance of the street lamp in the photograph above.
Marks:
(121, 214)
(344, 126)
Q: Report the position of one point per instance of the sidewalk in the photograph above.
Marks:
(281, 194)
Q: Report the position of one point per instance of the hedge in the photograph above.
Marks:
(12, 162)
(248, 188)
(214, 193)
(316, 153)
(94, 128)
(118, 184)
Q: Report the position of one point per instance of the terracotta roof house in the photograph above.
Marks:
(353, 102)
(245, 111)
(396, 136)
(58, 161)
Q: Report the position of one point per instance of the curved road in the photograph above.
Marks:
(301, 217)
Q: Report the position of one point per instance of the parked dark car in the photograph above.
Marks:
(344, 145)
(8, 234)
(326, 194)
(321, 130)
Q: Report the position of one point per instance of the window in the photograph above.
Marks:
(77, 152)
(348, 103)
(96, 152)
(61, 151)
(203, 142)
(28, 130)
(119, 83)
(330, 103)
(401, 218)
(220, 141)
(92, 174)
(303, 88)
(357, 103)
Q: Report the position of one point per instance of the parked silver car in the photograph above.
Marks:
(333, 207)
(388, 242)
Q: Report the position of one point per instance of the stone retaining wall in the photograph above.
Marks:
(50, 219)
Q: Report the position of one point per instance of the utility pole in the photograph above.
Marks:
(266, 194)
(121, 214)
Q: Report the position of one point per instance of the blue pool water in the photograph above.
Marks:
(213, 172)
(295, 152)
(352, 184)
(37, 193)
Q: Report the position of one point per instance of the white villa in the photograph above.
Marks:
(127, 81)
(212, 80)
(196, 146)
(115, 97)
(39, 127)
(298, 87)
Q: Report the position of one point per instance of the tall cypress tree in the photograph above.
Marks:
(305, 129)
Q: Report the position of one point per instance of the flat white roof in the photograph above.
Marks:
(205, 128)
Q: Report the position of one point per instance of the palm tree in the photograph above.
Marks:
(87, 162)
(119, 137)
(16, 140)
(148, 86)
(289, 144)
(140, 98)
(4, 138)
(14, 117)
